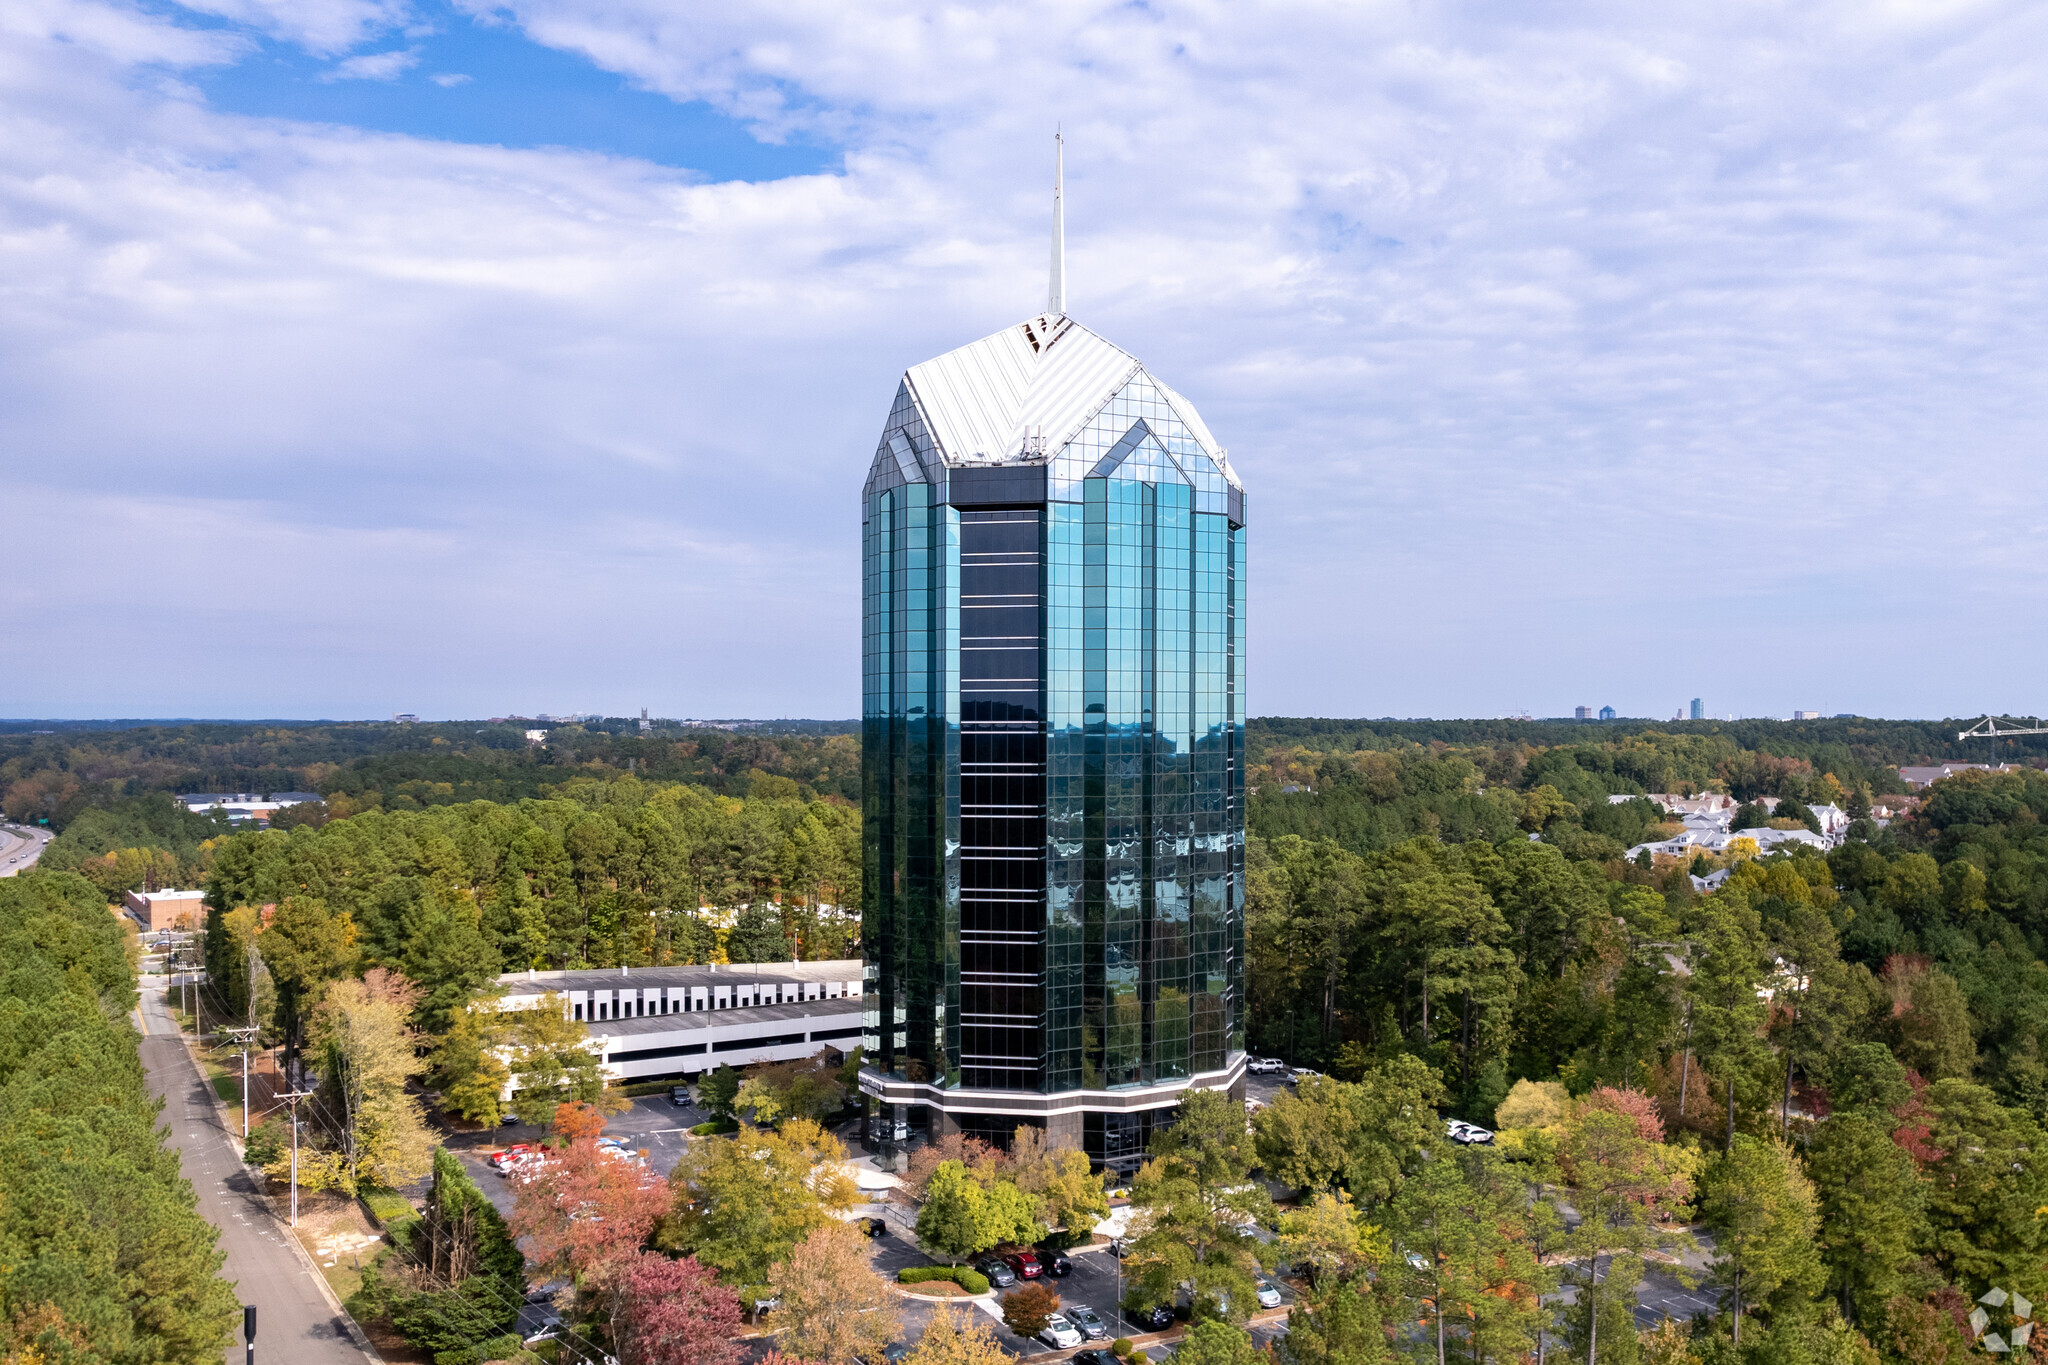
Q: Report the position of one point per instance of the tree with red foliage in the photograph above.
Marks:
(585, 1213)
(575, 1120)
(1633, 1105)
(1027, 1309)
(675, 1313)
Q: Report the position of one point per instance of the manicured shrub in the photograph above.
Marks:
(497, 1348)
(967, 1277)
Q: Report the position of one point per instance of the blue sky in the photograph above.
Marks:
(361, 356)
(449, 75)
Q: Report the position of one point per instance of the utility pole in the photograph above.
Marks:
(243, 1036)
(291, 1099)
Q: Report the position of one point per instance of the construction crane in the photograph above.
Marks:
(1989, 728)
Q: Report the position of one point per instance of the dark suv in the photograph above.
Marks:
(1157, 1318)
(1055, 1261)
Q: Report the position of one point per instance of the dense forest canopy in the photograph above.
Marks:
(65, 768)
(1454, 916)
(372, 765)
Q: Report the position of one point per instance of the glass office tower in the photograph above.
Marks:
(1053, 611)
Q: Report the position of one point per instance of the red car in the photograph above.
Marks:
(1025, 1263)
(501, 1160)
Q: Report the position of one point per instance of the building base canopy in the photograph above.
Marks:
(1112, 1126)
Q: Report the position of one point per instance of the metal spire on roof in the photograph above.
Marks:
(1056, 298)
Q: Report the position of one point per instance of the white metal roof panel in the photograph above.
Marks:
(1048, 374)
(979, 401)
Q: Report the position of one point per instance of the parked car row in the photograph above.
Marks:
(1005, 1269)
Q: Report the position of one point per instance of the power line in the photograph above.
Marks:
(292, 1099)
(593, 1352)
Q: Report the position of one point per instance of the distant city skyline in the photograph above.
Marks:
(372, 356)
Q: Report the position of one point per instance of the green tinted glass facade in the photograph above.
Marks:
(1053, 721)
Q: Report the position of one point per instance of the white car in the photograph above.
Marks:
(1470, 1134)
(1269, 1294)
(1265, 1066)
(1060, 1334)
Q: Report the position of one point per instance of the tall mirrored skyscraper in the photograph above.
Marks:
(1053, 613)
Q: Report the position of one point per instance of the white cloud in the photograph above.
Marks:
(323, 27)
(1618, 357)
(374, 66)
(448, 80)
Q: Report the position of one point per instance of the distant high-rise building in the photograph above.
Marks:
(1607, 713)
(1806, 715)
(1699, 711)
(645, 724)
(1582, 713)
(1052, 747)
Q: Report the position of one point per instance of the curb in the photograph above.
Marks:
(348, 1322)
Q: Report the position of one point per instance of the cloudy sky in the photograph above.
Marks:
(462, 358)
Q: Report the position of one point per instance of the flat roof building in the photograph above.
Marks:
(245, 806)
(650, 1022)
(171, 908)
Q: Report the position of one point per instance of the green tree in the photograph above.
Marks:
(102, 1253)
(1364, 1136)
(960, 1216)
(1209, 1342)
(1341, 1324)
(1329, 1237)
(1465, 1265)
(1199, 1203)
(1931, 1030)
(949, 1223)
(1728, 1016)
(1868, 1079)
(1984, 1190)
(718, 1092)
(1622, 1185)
(468, 1067)
(553, 1063)
(808, 1088)
(743, 1202)
(1454, 940)
(758, 936)
(447, 955)
(304, 946)
(1870, 1212)
(1764, 1216)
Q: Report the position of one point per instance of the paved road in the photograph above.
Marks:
(293, 1318)
(20, 847)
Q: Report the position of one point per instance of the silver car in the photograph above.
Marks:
(1085, 1318)
(1269, 1294)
